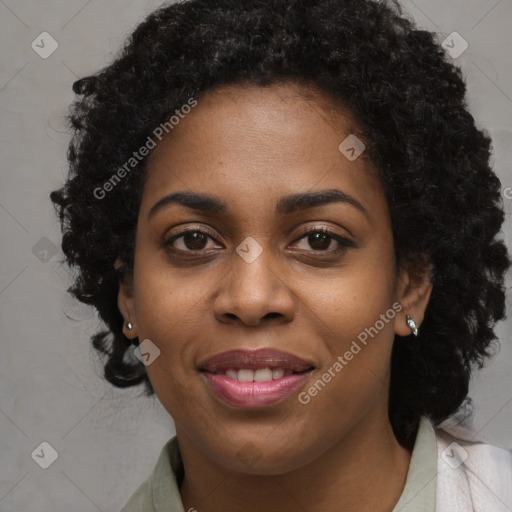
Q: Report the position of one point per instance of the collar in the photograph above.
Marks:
(419, 494)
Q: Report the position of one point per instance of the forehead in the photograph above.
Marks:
(259, 143)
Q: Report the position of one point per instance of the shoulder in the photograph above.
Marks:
(472, 475)
(141, 499)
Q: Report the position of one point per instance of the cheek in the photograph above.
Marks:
(167, 308)
(166, 299)
(354, 316)
(167, 312)
(354, 296)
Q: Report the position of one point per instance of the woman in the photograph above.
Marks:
(286, 218)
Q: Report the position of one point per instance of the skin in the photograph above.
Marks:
(249, 146)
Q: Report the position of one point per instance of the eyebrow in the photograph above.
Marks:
(285, 205)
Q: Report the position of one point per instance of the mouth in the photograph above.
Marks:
(261, 374)
(252, 379)
(255, 360)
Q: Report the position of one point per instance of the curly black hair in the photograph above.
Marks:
(403, 91)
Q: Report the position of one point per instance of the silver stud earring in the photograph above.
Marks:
(129, 326)
(411, 324)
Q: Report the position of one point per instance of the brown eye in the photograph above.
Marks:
(321, 240)
(192, 240)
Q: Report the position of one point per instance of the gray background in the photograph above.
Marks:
(51, 387)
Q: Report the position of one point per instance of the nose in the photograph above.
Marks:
(254, 292)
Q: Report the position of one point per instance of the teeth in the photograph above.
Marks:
(232, 374)
(263, 375)
(277, 373)
(260, 375)
(246, 375)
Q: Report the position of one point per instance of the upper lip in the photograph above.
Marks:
(253, 359)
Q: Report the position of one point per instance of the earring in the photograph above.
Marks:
(411, 324)
(129, 326)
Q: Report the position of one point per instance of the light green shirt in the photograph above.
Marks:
(161, 491)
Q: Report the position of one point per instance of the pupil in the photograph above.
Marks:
(321, 238)
(194, 240)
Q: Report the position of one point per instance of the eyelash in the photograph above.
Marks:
(343, 241)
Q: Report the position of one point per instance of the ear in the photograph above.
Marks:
(414, 288)
(125, 299)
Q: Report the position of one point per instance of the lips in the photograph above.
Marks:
(254, 360)
(254, 379)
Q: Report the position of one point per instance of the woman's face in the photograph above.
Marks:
(313, 296)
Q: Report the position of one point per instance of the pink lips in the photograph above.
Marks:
(254, 394)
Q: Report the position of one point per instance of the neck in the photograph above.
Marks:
(365, 471)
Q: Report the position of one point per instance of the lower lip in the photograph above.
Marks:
(255, 394)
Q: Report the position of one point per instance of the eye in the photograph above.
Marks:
(191, 240)
(321, 240)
